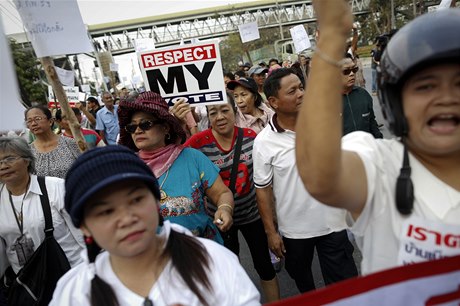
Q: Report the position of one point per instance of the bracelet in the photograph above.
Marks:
(329, 59)
(226, 205)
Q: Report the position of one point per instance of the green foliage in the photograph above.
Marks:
(378, 21)
(26, 63)
(232, 50)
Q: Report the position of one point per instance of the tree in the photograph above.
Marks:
(232, 50)
(27, 66)
(378, 21)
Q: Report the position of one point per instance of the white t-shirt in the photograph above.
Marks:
(69, 238)
(299, 215)
(387, 238)
(230, 283)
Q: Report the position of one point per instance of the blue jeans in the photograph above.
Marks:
(374, 80)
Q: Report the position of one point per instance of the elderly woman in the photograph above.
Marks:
(53, 153)
(219, 144)
(252, 112)
(185, 175)
(21, 216)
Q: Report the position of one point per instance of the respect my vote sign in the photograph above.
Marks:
(190, 71)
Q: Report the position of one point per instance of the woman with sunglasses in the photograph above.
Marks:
(21, 215)
(185, 175)
(358, 111)
(219, 144)
(54, 154)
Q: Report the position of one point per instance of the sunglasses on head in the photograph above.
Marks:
(144, 125)
(349, 70)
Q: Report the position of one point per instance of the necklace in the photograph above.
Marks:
(163, 194)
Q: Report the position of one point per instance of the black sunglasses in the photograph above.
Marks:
(144, 125)
(349, 70)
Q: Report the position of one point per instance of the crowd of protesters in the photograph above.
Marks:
(150, 214)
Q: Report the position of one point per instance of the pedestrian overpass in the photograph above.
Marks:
(119, 37)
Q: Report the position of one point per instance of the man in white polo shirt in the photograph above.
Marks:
(303, 223)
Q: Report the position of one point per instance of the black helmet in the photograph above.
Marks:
(429, 39)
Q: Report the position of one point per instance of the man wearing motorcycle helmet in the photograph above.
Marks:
(403, 193)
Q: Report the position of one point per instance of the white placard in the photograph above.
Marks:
(444, 4)
(11, 109)
(71, 92)
(113, 67)
(249, 31)
(54, 27)
(81, 96)
(300, 38)
(144, 44)
(85, 88)
(67, 77)
(191, 71)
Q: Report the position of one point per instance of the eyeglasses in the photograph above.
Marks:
(144, 125)
(34, 119)
(9, 160)
(349, 70)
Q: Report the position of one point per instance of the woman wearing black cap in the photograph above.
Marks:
(185, 174)
(252, 112)
(145, 261)
(404, 193)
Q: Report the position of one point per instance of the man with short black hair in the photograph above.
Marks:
(303, 223)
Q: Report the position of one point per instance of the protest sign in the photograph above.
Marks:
(444, 4)
(191, 71)
(71, 92)
(86, 88)
(428, 283)
(11, 110)
(54, 27)
(300, 37)
(249, 31)
(144, 44)
(113, 67)
(67, 77)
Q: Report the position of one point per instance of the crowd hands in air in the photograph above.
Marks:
(158, 193)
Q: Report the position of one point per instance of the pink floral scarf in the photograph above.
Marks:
(161, 159)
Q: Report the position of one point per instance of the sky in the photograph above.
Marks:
(102, 11)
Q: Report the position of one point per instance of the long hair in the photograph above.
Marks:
(188, 256)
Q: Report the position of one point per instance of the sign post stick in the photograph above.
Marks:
(53, 79)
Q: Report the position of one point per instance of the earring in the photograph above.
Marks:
(168, 136)
(89, 240)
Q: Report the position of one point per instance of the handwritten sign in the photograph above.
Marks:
(113, 67)
(444, 4)
(67, 77)
(249, 31)
(144, 44)
(11, 110)
(300, 37)
(71, 92)
(191, 71)
(54, 27)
